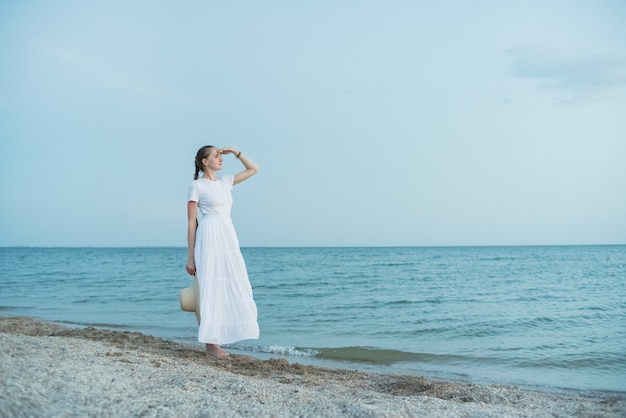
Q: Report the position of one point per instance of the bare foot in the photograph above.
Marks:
(216, 351)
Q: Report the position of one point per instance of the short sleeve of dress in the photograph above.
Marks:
(192, 192)
(228, 181)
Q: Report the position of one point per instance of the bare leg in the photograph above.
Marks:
(216, 351)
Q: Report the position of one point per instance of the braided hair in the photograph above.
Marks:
(202, 153)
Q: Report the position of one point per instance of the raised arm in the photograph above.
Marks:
(251, 167)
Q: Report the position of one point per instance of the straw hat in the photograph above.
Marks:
(189, 298)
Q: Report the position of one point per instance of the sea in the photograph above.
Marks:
(535, 316)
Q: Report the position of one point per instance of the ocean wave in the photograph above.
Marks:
(280, 350)
(383, 356)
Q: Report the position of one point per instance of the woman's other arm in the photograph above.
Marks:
(192, 226)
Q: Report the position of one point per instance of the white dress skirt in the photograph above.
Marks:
(228, 312)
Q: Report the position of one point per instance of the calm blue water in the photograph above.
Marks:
(547, 316)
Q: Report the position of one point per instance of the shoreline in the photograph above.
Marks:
(52, 370)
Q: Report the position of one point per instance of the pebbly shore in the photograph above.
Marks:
(50, 370)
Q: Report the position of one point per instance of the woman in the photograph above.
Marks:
(227, 310)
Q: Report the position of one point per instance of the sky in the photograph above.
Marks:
(374, 123)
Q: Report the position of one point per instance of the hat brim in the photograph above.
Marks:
(189, 298)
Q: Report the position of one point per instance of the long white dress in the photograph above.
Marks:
(227, 309)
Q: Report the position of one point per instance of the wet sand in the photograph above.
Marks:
(50, 370)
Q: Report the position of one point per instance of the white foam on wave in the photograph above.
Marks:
(290, 351)
(281, 350)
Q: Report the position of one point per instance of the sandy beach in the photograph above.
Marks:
(50, 370)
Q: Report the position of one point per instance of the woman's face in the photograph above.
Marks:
(213, 161)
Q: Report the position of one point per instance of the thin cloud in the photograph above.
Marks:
(575, 79)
